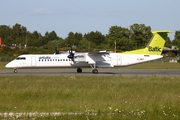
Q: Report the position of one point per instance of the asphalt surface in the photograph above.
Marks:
(102, 72)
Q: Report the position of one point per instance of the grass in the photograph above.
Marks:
(2, 65)
(92, 97)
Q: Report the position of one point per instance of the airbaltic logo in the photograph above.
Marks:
(154, 49)
(44, 57)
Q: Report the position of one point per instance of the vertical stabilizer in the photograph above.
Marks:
(156, 44)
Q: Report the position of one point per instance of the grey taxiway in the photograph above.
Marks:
(102, 72)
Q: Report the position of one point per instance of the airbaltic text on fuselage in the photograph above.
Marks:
(44, 57)
(47, 57)
(154, 49)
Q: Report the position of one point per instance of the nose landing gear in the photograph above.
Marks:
(15, 70)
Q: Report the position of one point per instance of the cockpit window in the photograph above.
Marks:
(20, 58)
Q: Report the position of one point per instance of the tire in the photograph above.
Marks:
(95, 71)
(79, 70)
(15, 70)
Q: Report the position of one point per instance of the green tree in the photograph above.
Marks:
(95, 39)
(35, 39)
(83, 44)
(14, 35)
(120, 36)
(141, 34)
(5, 34)
(176, 41)
(18, 33)
(53, 36)
(54, 45)
(73, 39)
(49, 36)
(168, 43)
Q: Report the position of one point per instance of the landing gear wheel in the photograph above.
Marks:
(15, 70)
(79, 70)
(95, 71)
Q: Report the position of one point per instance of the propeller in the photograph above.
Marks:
(71, 55)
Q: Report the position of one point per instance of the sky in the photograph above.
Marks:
(84, 16)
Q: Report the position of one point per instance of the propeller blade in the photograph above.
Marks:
(71, 49)
(71, 54)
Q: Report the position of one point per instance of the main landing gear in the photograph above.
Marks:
(79, 70)
(95, 71)
(93, 66)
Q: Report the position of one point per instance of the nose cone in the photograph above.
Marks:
(9, 65)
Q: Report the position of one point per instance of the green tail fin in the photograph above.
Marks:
(155, 45)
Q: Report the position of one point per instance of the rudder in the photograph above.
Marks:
(156, 44)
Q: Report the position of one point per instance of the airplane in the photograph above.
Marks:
(94, 60)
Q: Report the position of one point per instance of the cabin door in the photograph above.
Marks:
(33, 61)
(118, 60)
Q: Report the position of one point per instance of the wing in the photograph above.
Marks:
(98, 53)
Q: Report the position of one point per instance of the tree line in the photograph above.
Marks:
(18, 40)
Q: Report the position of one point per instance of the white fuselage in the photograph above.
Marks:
(80, 60)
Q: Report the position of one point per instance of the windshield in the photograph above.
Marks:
(20, 58)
